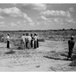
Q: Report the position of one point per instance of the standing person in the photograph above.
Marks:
(23, 41)
(35, 41)
(8, 41)
(29, 41)
(26, 41)
(71, 44)
(32, 41)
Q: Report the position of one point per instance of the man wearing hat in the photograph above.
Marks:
(71, 44)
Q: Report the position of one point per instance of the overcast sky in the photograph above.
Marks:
(37, 16)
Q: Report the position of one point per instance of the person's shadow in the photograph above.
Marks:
(73, 63)
(73, 59)
(10, 52)
(55, 58)
(64, 56)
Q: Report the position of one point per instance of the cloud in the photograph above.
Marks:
(59, 21)
(39, 6)
(71, 9)
(16, 12)
(21, 22)
(56, 13)
(13, 24)
(43, 18)
(70, 20)
(29, 20)
(55, 20)
(18, 22)
(57, 16)
(1, 17)
(24, 21)
(2, 22)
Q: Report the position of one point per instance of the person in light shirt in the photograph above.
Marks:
(23, 41)
(8, 41)
(29, 41)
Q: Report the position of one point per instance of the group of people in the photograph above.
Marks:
(31, 41)
(27, 41)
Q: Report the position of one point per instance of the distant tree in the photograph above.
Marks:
(71, 29)
(63, 29)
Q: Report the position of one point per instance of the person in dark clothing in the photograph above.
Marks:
(26, 40)
(36, 44)
(71, 44)
(32, 41)
(35, 41)
(8, 41)
(8, 44)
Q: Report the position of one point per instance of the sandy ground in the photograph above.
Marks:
(50, 56)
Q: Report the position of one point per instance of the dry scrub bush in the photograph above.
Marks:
(16, 42)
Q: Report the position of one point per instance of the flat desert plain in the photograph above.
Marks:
(50, 56)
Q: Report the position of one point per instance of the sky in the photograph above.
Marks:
(37, 16)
